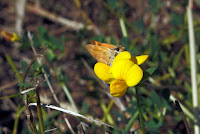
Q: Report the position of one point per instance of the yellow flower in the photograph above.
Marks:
(124, 72)
(10, 36)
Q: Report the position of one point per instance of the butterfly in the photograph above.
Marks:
(103, 52)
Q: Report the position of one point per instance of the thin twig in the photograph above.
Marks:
(40, 63)
(68, 124)
(45, 74)
(73, 113)
(185, 110)
(183, 116)
(29, 66)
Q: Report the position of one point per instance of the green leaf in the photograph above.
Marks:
(36, 41)
(24, 66)
(46, 69)
(25, 42)
(35, 67)
(84, 108)
(156, 100)
(43, 33)
(116, 131)
(62, 78)
(153, 126)
(55, 43)
(150, 71)
(51, 55)
(23, 84)
(130, 123)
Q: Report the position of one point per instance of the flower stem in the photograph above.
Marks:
(140, 111)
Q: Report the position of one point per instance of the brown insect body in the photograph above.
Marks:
(103, 52)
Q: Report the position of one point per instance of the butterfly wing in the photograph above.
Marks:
(100, 53)
(94, 42)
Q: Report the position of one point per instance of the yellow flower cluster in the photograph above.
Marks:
(13, 37)
(124, 72)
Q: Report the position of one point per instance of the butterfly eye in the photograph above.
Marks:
(117, 49)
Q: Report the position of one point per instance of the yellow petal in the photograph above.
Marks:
(120, 68)
(15, 37)
(140, 59)
(134, 75)
(102, 72)
(122, 55)
(10, 36)
(118, 88)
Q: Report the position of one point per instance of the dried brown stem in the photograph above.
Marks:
(183, 116)
(63, 21)
(46, 76)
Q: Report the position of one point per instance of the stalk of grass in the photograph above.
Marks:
(130, 123)
(30, 37)
(10, 96)
(107, 112)
(140, 111)
(131, 26)
(28, 109)
(10, 61)
(19, 111)
(123, 27)
(193, 67)
(39, 111)
(69, 97)
(19, 77)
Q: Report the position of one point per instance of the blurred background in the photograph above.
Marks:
(61, 29)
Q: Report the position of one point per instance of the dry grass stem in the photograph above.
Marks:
(63, 21)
